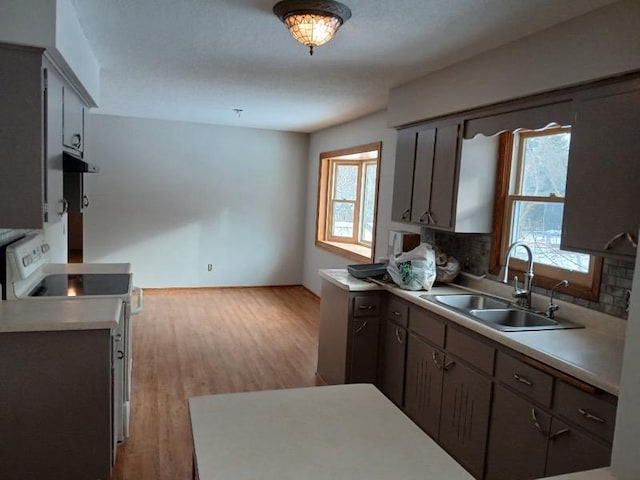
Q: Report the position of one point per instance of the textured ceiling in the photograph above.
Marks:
(198, 60)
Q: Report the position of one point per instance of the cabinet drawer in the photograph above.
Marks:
(474, 351)
(398, 312)
(532, 382)
(427, 325)
(590, 411)
(366, 306)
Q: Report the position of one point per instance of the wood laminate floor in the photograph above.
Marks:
(193, 342)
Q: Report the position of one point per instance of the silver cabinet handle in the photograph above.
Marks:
(118, 337)
(424, 217)
(366, 307)
(430, 218)
(450, 364)
(120, 354)
(361, 327)
(613, 240)
(399, 336)
(396, 313)
(535, 422)
(76, 140)
(562, 431)
(65, 206)
(590, 416)
(523, 380)
(434, 356)
(406, 214)
(85, 201)
(633, 243)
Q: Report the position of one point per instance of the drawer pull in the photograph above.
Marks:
(449, 365)
(399, 336)
(590, 416)
(366, 307)
(535, 422)
(562, 431)
(434, 355)
(523, 380)
(361, 327)
(396, 313)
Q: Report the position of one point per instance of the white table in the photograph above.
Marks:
(334, 432)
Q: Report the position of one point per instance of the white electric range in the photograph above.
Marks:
(26, 274)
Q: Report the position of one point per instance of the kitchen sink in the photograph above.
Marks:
(469, 301)
(498, 313)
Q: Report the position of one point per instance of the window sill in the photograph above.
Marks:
(357, 253)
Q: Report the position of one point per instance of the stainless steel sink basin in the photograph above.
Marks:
(498, 313)
(469, 301)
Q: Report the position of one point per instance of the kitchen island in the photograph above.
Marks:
(331, 432)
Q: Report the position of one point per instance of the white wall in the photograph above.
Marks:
(624, 461)
(172, 197)
(365, 130)
(599, 44)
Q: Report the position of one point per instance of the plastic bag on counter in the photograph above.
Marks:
(414, 270)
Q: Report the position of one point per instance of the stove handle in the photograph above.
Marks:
(138, 308)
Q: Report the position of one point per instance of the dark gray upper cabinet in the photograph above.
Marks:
(601, 214)
(403, 177)
(30, 145)
(442, 182)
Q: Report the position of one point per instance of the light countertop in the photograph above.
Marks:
(56, 314)
(590, 354)
(341, 431)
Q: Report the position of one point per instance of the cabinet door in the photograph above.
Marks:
(443, 183)
(464, 419)
(423, 390)
(72, 120)
(517, 438)
(364, 350)
(393, 362)
(53, 171)
(572, 451)
(421, 203)
(403, 176)
(603, 158)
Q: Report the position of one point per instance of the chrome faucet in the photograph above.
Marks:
(552, 308)
(523, 295)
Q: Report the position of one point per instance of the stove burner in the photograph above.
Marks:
(72, 285)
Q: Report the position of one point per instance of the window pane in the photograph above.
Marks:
(539, 225)
(544, 164)
(368, 201)
(342, 225)
(345, 182)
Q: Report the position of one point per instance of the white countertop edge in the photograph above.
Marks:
(605, 382)
(598, 474)
(59, 315)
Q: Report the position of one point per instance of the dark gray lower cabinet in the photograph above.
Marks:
(394, 346)
(364, 350)
(423, 385)
(464, 419)
(573, 451)
(517, 438)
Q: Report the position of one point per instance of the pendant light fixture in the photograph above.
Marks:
(312, 22)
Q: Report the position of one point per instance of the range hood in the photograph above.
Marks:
(72, 163)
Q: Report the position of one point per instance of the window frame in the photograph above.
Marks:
(354, 249)
(585, 286)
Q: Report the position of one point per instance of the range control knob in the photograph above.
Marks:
(27, 260)
(45, 247)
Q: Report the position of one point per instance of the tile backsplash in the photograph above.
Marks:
(472, 251)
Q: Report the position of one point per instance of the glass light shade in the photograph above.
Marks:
(312, 30)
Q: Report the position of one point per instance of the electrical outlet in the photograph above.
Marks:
(210, 267)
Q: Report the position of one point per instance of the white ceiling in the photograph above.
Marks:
(198, 60)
